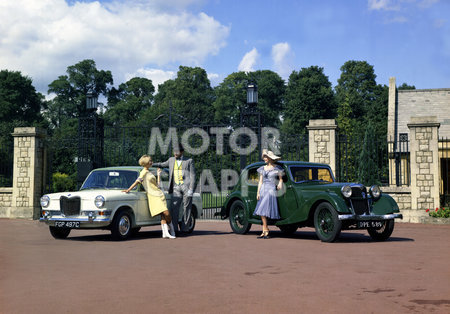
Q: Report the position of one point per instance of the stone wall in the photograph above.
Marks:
(5, 202)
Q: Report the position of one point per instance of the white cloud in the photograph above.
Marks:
(157, 76)
(386, 5)
(249, 61)
(214, 79)
(282, 57)
(42, 38)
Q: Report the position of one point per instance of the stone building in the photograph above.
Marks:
(418, 136)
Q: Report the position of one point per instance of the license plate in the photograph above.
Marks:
(67, 224)
(370, 224)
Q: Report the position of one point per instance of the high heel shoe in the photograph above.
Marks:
(264, 235)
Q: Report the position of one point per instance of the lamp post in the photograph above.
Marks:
(251, 110)
(91, 101)
(90, 138)
(252, 102)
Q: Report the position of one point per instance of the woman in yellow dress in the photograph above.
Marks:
(156, 199)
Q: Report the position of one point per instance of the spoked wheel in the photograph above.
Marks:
(59, 233)
(383, 233)
(121, 226)
(238, 218)
(328, 226)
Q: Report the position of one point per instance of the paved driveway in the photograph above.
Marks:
(215, 271)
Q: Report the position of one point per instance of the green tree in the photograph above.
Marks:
(357, 86)
(231, 97)
(190, 94)
(405, 86)
(19, 101)
(309, 95)
(126, 103)
(71, 90)
(20, 105)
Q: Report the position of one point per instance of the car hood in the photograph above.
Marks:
(89, 194)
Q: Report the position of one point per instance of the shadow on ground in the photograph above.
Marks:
(345, 237)
(141, 235)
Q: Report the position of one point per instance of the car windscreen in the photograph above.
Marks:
(110, 179)
(305, 173)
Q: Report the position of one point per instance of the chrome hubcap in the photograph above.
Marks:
(124, 225)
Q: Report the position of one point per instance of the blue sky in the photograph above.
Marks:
(408, 39)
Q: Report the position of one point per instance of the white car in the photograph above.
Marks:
(101, 204)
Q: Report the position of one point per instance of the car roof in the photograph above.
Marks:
(130, 168)
(291, 163)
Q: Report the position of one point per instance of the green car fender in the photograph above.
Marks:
(385, 205)
(235, 196)
(306, 210)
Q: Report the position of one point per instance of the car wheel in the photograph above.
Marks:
(59, 233)
(288, 229)
(238, 218)
(121, 226)
(328, 226)
(191, 221)
(383, 233)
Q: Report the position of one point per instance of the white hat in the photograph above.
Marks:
(270, 154)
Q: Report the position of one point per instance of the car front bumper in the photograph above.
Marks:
(369, 217)
(84, 222)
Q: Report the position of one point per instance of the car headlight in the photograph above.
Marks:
(99, 201)
(45, 201)
(375, 191)
(346, 190)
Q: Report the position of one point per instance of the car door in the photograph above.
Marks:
(287, 198)
(249, 186)
(142, 212)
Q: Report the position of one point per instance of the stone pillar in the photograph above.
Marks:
(322, 142)
(424, 162)
(392, 111)
(28, 174)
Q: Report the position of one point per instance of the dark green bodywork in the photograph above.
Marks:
(298, 203)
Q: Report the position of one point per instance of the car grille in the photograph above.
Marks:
(359, 200)
(70, 206)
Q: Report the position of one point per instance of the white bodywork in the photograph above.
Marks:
(92, 217)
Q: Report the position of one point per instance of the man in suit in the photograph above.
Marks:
(181, 186)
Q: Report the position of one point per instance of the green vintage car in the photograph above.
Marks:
(312, 198)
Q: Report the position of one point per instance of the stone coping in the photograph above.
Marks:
(29, 132)
(396, 189)
(423, 90)
(322, 124)
(6, 190)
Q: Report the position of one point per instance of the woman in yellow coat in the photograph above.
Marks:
(156, 199)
